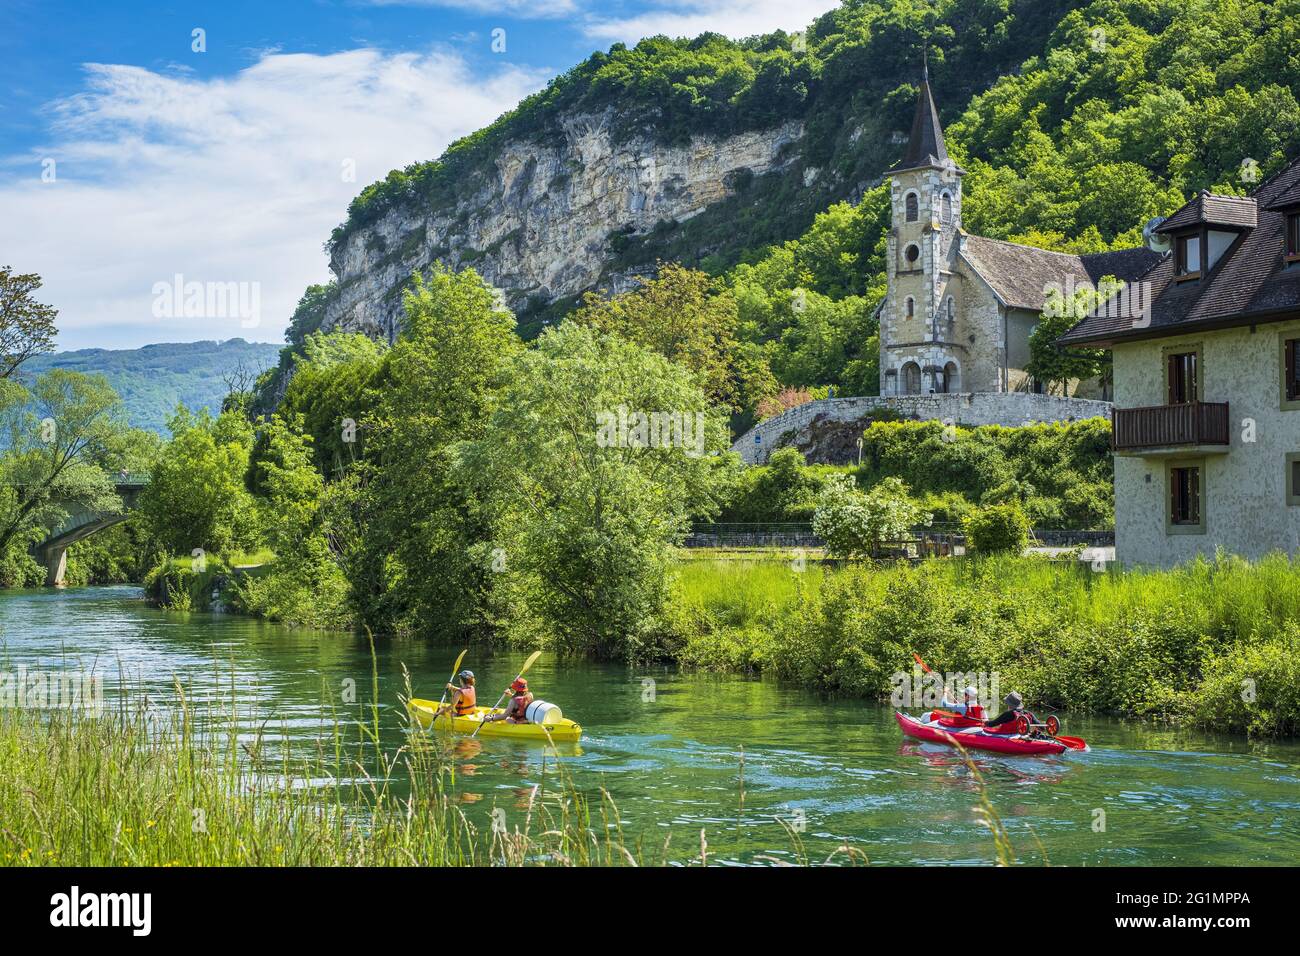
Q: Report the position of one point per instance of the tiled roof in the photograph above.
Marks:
(1287, 198)
(1210, 209)
(1022, 276)
(1249, 283)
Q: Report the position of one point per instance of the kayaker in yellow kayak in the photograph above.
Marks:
(463, 698)
(516, 711)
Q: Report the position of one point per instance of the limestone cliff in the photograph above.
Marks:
(551, 221)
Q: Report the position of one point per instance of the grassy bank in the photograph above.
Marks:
(1213, 643)
(130, 789)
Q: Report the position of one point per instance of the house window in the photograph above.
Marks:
(945, 207)
(1293, 236)
(1290, 370)
(1182, 377)
(1186, 497)
(913, 207)
(1292, 478)
(912, 253)
(1189, 256)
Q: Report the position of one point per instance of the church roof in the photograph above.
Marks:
(1250, 283)
(925, 146)
(1022, 276)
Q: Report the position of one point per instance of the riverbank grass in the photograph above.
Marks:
(132, 788)
(1216, 643)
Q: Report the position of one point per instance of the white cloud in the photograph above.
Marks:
(733, 18)
(521, 9)
(234, 179)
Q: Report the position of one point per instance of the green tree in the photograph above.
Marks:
(586, 503)
(684, 317)
(26, 326)
(442, 381)
(61, 434)
(196, 496)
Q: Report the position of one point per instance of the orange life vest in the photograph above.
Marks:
(466, 701)
(518, 707)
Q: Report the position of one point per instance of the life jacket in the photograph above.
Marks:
(466, 701)
(976, 711)
(1010, 726)
(518, 706)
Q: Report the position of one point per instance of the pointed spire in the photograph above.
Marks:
(925, 147)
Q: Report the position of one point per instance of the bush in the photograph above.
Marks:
(857, 525)
(997, 529)
(1254, 688)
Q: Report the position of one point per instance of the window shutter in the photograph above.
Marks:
(1290, 369)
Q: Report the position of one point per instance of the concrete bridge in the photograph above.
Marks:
(52, 553)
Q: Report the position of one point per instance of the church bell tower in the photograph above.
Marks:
(920, 351)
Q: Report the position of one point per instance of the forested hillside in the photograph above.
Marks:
(153, 379)
(1076, 123)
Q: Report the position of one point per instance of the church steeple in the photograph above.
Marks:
(925, 147)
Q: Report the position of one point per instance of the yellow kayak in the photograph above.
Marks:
(422, 712)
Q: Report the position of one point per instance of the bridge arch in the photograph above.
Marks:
(52, 552)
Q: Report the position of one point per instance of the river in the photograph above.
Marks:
(746, 761)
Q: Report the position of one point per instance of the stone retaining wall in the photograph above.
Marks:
(968, 409)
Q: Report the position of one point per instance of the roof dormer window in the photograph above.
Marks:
(1188, 252)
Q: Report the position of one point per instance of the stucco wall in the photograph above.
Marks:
(978, 408)
(1244, 495)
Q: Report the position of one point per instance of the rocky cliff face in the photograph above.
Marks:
(551, 222)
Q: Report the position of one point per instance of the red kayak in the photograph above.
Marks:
(975, 737)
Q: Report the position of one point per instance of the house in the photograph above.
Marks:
(960, 308)
(1206, 418)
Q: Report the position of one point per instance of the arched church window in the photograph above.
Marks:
(913, 207)
(912, 253)
(952, 377)
(911, 379)
(945, 207)
(911, 307)
(951, 310)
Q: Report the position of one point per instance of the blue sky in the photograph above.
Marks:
(129, 159)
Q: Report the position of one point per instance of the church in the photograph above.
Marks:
(960, 308)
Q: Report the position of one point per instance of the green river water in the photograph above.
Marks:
(670, 753)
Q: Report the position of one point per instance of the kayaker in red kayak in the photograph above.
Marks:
(969, 706)
(516, 711)
(463, 698)
(1005, 722)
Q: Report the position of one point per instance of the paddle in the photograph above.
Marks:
(527, 664)
(455, 669)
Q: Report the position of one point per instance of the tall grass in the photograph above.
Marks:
(1217, 642)
(142, 787)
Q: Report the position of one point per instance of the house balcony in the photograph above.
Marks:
(1193, 428)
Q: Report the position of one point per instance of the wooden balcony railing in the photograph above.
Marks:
(1163, 426)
